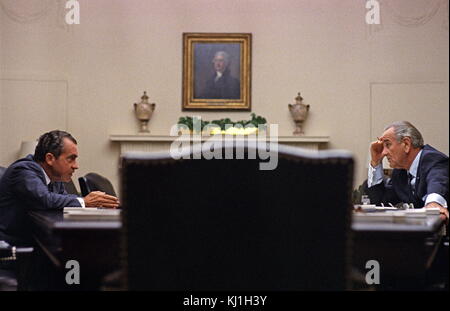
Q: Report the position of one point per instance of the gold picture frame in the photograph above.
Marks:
(217, 71)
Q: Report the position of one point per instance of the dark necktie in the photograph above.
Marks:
(411, 188)
(50, 187)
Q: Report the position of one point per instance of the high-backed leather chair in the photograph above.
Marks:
(95, 182)
(70, 188)
(2, 170)
(198, 224)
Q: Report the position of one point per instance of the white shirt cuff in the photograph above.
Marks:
(434, 197)
(375, 175)
(83, 205)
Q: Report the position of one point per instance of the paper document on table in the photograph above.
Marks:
(396, 216)
(373, 208)
(91, 212)
(77, 209)
(422, 212)
(377, 217)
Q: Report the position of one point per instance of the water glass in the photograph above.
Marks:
(365, 200)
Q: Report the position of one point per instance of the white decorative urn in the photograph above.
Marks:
(144, 111)
(299, 112)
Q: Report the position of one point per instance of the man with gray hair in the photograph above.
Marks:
(222, 85)
(420, 172)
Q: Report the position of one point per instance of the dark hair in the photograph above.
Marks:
(51, 142)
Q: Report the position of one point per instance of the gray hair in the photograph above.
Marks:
(225, 55)
(406, 129)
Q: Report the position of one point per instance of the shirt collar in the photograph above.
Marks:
(415, 165)
(47, 179)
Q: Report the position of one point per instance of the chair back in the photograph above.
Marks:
(2, 171)
(199, 224)
(95, 182)
(70, 187)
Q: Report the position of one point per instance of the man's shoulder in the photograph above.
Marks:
(432, 158)
(25, 164)
(24, 170)
(430, 154)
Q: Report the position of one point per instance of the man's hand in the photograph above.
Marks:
(101, 199)
(442, 209)
(376, 151)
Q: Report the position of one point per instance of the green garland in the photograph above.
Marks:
(255, 121)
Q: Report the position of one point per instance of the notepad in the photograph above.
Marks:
(373, 208)
(388, 216)
(386, 208)
(433, 211)
(78, 209)
(91, 213)
(422, 212)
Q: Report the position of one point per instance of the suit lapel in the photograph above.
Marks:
(416, 185)
(419, 171)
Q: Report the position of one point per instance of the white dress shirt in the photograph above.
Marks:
(218, 76)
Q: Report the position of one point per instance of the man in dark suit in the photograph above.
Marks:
(221, 85)
(420, 172)
(35, 183)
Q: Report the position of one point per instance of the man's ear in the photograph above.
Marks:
(49, 158)
(407, 144)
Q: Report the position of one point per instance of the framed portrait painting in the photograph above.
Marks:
(216, 71)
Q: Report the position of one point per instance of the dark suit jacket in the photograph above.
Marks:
(23, 188)
(432, 177)
(227, 87)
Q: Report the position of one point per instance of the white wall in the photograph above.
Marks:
(357, 78)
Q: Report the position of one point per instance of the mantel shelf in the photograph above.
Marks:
(150, 142)
(164, 138)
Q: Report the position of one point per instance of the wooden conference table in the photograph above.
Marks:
(93, 243)
(405, 249)
(402, 249)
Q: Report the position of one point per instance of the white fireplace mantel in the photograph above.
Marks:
(149, 142)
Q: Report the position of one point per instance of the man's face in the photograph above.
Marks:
(219, 63)
(62, 168)
(396, 152)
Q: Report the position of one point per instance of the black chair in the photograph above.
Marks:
(8, 277)
(13, 262)
(227, 225)
(95, 182)
(2, 171)
(70, 188)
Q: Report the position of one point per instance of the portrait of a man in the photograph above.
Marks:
(216, 71)
(220, 84)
